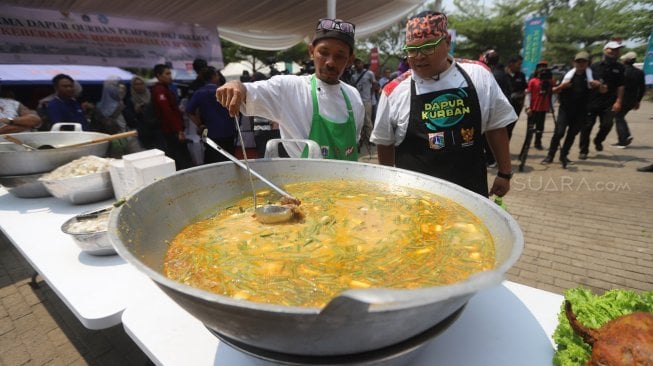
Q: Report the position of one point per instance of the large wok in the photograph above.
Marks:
(357, 320)
(17, 160)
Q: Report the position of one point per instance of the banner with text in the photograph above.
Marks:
(38, 36)
(533, 34)
(648, 61)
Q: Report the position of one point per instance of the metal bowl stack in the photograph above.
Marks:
(21, 168)
(83, 180)
(89, 231)
(81, 189)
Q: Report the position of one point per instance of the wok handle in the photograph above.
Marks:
(103, 139)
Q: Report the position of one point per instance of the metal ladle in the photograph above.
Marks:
(266, 214)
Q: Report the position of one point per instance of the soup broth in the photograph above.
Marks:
(355, 234)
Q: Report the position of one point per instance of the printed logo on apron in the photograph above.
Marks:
(446, 110)
(467, 135)
(436, 140)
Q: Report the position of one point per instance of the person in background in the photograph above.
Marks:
(538, 100)
(431, 119)
(206, 113)
(172, 123)
(634, 89)
(605, 101)
(491, 58)
(64, 107)
(516, 84)
(15, 117)
(110, 117)
(572, 112)
(387, 76)
(318, 106)
(365, 82)
(199, 66)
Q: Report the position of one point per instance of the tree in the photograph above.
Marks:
(258, 59)
(390, 43)
(589, 24)
(479, 28)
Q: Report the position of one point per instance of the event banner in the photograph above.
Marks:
(648, 61)
(38, 36)
(452, 33)
(533, 33)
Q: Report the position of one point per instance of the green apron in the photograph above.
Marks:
(336, 140)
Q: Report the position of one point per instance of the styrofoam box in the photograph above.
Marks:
(149, 170)
(121, 187)
(131, 179)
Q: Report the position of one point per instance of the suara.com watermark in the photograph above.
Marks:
(566, 184)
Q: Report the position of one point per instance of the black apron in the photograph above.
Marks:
(443, 138)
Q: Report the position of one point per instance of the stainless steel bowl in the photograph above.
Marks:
(89, 231)
(82, 189)
(17, 160)
(24, 186)
(355, 321)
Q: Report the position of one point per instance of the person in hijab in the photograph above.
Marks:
(109, 117)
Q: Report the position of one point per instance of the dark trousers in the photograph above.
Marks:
(606, 117)
(517, 104)
(537, 119)
(212, 156)
(622, 126)
(569, 122)
(178, 151)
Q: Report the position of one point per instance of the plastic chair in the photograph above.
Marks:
(272, 148)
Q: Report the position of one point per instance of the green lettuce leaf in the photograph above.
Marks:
(592, 311)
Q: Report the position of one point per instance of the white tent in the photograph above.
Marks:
(234, 70)
(43, 74)
(261, 24)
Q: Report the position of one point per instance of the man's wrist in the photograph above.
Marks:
(504, 175)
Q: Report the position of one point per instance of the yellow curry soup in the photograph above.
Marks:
(355, 234)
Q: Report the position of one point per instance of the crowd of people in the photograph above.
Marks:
(434, 114)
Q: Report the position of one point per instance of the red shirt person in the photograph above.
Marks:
(172, 122)
(538, 99)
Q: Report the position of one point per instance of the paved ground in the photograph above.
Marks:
(589, 225)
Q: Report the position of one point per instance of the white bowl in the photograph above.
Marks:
(81, 189)
(89, 231)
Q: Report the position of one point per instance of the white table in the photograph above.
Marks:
(96, 289)
(508, 325)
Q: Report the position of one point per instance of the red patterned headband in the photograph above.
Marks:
(431, 25)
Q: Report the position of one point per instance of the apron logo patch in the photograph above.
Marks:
(436, 140)
(468, 136)
(446, 110)
(325, 151)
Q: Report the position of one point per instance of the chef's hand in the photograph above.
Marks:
(500, 187)
(231, 95)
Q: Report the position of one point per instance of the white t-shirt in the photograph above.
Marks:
(286, 99)
(393, 110)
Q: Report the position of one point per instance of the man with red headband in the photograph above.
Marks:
(317, 107)
(431, 119)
